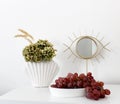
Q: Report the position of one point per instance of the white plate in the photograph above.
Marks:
(62, 92)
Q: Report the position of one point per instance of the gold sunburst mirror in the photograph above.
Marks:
(87, 48)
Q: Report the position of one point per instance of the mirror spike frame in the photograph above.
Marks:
(95, 40)
(97, 53)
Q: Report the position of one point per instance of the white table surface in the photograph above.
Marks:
(29, 95)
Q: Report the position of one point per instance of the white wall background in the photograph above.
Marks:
(55, 20)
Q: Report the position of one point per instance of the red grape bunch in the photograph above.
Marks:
(94, 89)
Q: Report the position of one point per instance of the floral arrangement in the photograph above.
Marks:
(42, 50)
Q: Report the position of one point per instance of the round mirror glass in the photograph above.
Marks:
(86, 47)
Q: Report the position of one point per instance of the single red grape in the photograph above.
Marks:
(54, 85)
(69, 75)
(89, 74)
(69, 85)
(107, 92)
(101, 83)
(81, 76)
(90, 95)
(88, 89)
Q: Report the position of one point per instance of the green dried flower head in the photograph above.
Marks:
(42, 50)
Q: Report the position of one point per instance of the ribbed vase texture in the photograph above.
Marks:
(42, 73)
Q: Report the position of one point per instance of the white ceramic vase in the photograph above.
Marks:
(41, 73)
